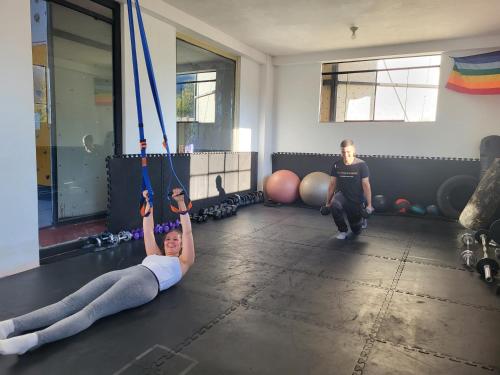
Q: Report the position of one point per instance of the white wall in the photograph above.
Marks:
(194, 27)
(161, 27)
(462, 120)
(19, 219)
(246, 137)
(253, 112)
(161, 42)
(266, 120)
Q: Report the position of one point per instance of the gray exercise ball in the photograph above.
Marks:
(313, 188)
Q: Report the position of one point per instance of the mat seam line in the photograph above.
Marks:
(367, 348)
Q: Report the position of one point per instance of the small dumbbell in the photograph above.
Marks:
(237, 200)
(94, 241)
(135, 234)
(214, 212)
(243, 200)
(251, 197)
(229, 200)
(256, 198)
(230, 210)
(235, 209)
(106, 238)
(366, 212)
(138, 234)
(487, 267)
(224, 211)
(261, 196)
(124, 236)
(468, 255)
(113, 240)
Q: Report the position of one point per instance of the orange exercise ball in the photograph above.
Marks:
(283, 186)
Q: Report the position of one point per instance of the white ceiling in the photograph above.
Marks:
(284, 27)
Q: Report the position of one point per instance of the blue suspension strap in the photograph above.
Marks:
(146, 182)
(156, 97)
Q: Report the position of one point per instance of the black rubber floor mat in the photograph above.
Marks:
(443, 327)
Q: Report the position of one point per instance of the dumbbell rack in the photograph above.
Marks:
(228, 207)
(487, 267)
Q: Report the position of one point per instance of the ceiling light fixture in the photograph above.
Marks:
(353, 30)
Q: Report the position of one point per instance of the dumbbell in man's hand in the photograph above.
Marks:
(366, 212)
(325, 210)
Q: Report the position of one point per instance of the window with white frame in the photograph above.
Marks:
(393, 89)
(196, 97)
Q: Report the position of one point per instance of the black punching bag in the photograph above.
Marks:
(488, 151)
(480, 211)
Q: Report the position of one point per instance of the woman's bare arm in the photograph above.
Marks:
(148, 227)
(187, 256)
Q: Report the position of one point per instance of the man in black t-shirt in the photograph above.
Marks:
(349, 190)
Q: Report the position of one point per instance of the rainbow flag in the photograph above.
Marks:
(476, 75)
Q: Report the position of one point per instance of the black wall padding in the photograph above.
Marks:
(253, 181)
(414, 178)
(124, 188)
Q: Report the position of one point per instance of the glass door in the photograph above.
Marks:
(83, 110)
(77, 108)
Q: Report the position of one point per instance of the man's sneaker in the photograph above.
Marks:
(364, 223)
(341, 236)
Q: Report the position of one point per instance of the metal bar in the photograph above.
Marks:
(379, 70)
(117, 76)
(82, 40)
(83, 10)
(190, 82)
(333, 97)
(53, 125)
(402, 85)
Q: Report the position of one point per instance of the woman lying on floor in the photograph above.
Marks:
(109, 293)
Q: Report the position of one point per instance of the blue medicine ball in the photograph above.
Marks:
(432, 210)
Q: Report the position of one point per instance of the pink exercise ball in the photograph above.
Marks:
(283, 186)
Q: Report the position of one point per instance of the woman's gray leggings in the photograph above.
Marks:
(106, 295)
